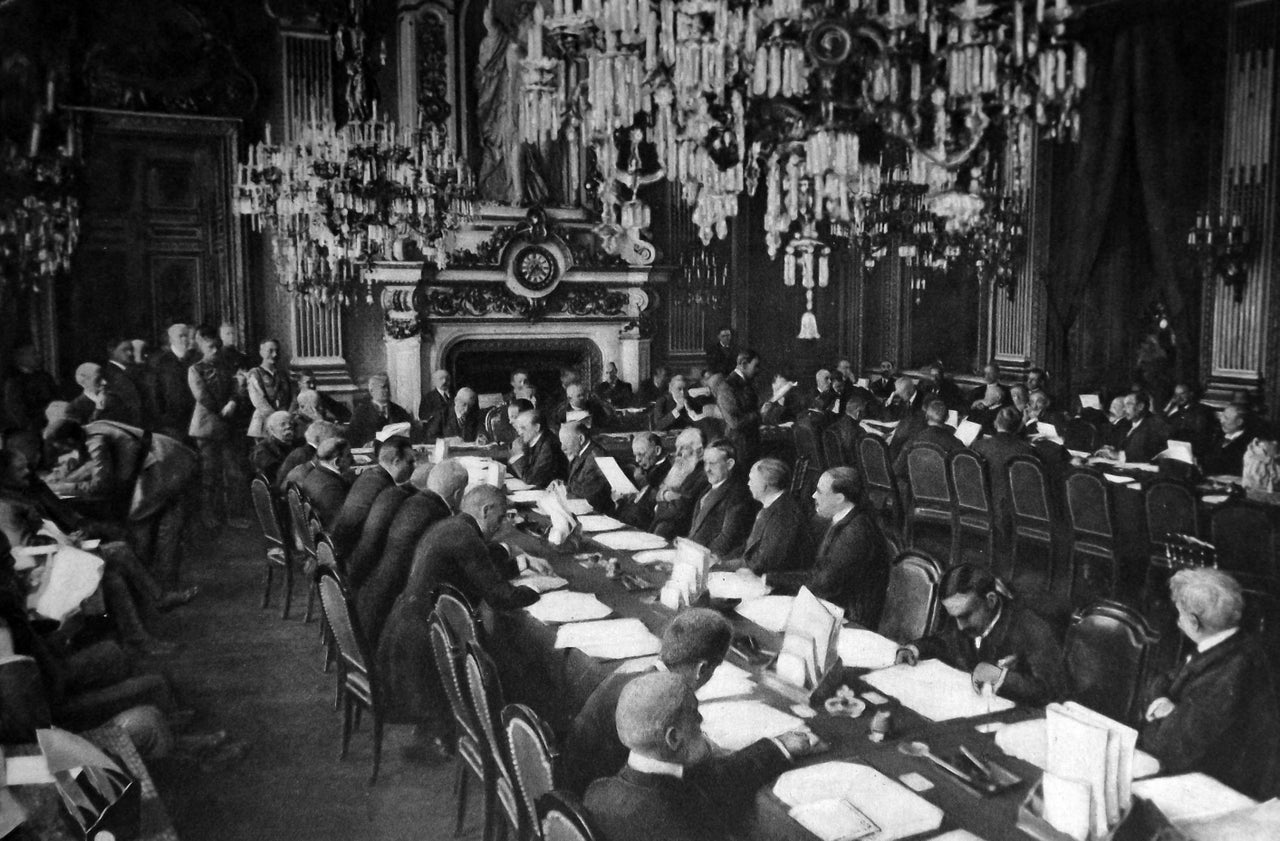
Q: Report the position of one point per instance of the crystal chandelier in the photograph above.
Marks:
(338, 198)
(820, 101)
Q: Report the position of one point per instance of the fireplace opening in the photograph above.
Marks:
(486, 364)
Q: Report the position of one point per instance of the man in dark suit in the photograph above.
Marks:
(784, 404)
(997, 450)
(375, 413)
(671, 789)
(722, 354)
(585, 481)
(825, 399)
(653, 388)
(842, 436)
(435, 405)
(650, 468)
(1038, 411)
(580, 407)
(674, 410)
(779, 538)
(367, 551)
(723, 516)
(615, 392)
(395, 464)
(1217, 712)
(941, 387)
(681, 488)
(173, 400)
(740, 407)
(271, 450)
(326, 486)
(884, 381)
(124, 380)
(535, 456)
(991, 394)
(1147, 434)
(935, 432)
(463, 420)
(850, 567)
(1001, 643)
(906, 406)
(95, 401)
(437, 493)
(1190, 420)
(1226, 454)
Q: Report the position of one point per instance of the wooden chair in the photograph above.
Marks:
(1172, 516)
(562, 818)
(1031, 561)
(532, 754)
(877, 477)
(932, 501)
(1108, 652)
(971, 486)
(1081, 435)
(501, 809)
(459, 616)
(356, 676)
(304, 540)
(1246, 536)
(1091, 508)
(833, 452)
(279, 552)
(911, 599)
(448, 657)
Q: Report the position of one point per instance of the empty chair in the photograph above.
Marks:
(877, 476)
(359, 685)
(562, 818)
(1108, 651)
(808, 444)
(1172, 516)
(834, 453)
(532, 752)
(1092, 512)
(932, 502)
(911, 599)
(279, 548)
(1031, 559)
(485, 694)
(448, 656)
(971, 483)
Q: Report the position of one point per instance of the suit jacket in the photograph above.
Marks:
(467, 428)
(542, 462)
(910, 423)
(172, 398)
(586, 481)
(1226, 458)
(617, 394)
(1053, 417)
(124, 384)
(366, 553)
(598, 414)
(740, 409)
(367, 419)
(671, 517)
(345, 530)
(1194, 424)
(666, 417)
(142, 473)
(267, 456)
(851, 567)
(997, 450)
(648, 392)
(1147, 441)
(298, 456)
(721, 359)
(384, 578)
(1037, 676)
(592, 749)
(212, 385)
(432, 411)
(637, 510)
(326, 492)
(722, 518)
(787, 409)
(1225, 721)
(842, 437)
(779, 539)
(708, 804)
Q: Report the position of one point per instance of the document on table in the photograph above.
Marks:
(1090, 750)
(512, 484)
(1188, 797)
(576, 415)
(1256, 823)
(616, 476)
(629, 541)
(567, 606)
(577, 507)
(897, 811)
(735, 724)
(733, 585)
(1178, 451)
(655, 556)
(936, 691)
(538, 582)
(863, 649)
(609, 639)
(727, 681)
(529, 495)
(599, 522)
(1028, 741)
(1090, 401)
(769, 612)
(809, 639)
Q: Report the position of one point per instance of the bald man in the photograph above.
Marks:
(95, 402)
(270, 451)
(463, 419)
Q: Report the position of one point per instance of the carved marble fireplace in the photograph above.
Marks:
(528, 292)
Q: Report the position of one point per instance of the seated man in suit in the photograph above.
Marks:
(990, 394)
(841, 437)
(906, 406)
(615, 392)
(936, 431)
(653, 388)
(650, 468)
(271, 450)
(463, 419)
(1038, 412)
(95, 401)
(998, 449)
(784, 404)
(671, 788)
(302, 459)
(1190, 420)
(1146, 436)
(884, 381)
(683, 485)
(674, 410)
(1217, 712)
(941, 387)
(825, 399)
(535, 457)
(434, 406)
(376, 413)
(500, 422)
(1004, 645)
(585, 481)
(1226, 455)
(580, 407)
(326, 485)
(723, 515)
(395, 465)
(779, 538)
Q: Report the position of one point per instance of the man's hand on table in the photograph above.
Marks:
(533, 562)
(908, 655)
(802, 742)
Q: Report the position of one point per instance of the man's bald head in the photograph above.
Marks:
(89, 377)
(656, 714)
(449, 480)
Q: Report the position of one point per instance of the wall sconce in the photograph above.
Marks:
(1223, 247)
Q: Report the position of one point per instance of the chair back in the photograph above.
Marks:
(831, 448)
(873, 453)
(1170, 507)
(562, 818)
(264, 505)
(326, 558)
(1245, 535)
(303, 536)
(927, 476)
(971, 481)
(808, 445)
(1029, 492)
(1108, 650)
(532, 750)
(484, 690)
(449, 663)
(911, 599)
(459, 617)
(335, 600)
(1091, 505)
(1081, 435)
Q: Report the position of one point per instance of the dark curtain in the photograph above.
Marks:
(1150, 123)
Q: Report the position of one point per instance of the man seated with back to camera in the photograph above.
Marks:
(1002, 644)
(328, 483)
(394, 466)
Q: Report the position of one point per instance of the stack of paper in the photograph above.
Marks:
(832, 799)
(629, 541)
(1028, 741)
(728, 681)
(936, 691)
(655, 556)
(538, 582)
(968, 432)
(568, 606)
(809, 640)
(1088, 770)
(769, 612)
(599, 522)
(609, 639)
(863, 649)
(1190, 797)
(732, 725)
(736, 585)
(689, 571)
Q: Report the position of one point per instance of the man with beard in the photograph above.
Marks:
(683, 485)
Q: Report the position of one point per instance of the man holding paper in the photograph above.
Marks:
(651, 467)
(1005, 646)
(1146, 436)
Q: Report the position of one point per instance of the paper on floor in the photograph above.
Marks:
(936, 691)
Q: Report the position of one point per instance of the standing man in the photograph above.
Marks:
(740, 407)
(722, 354)
(213, 391)
(270, 388)
(173, 400)
(124, 380)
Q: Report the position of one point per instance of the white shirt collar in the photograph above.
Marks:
(585, 447)
(118, 365)
(1215, 639)
(771, 499)
(649, 765)
(1231, 436)
(841, 515)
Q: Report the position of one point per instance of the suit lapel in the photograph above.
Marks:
(708, 501)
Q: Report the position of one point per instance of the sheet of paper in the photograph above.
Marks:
(567, 606)
(577, 507)
(809, 634)
(576, 415)
(728, 681)
(735, 724)
(953, 418)
(769, 612)
(1126, 749)
(71, 576)
(1188, 797)
(617, 477)
(599, 522)
(538, 582)
(519, 497)
(1177, 451)
(1090, 401)
(1118, 479)
(968, 432)
(1067, 805)
(51, 529)
(392, 430)
(11, 813)
(512, 484)
(1259, 823)
(26, 770)
(609, 639)
(863, 649)
(732, 585)
(898, 811)
(863, 382)
(1026, 740)
(1078, 454)
(936, 691)
(835, 819)
(655, 556)
(1077, 750)
(700, 391)
(629, 541)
